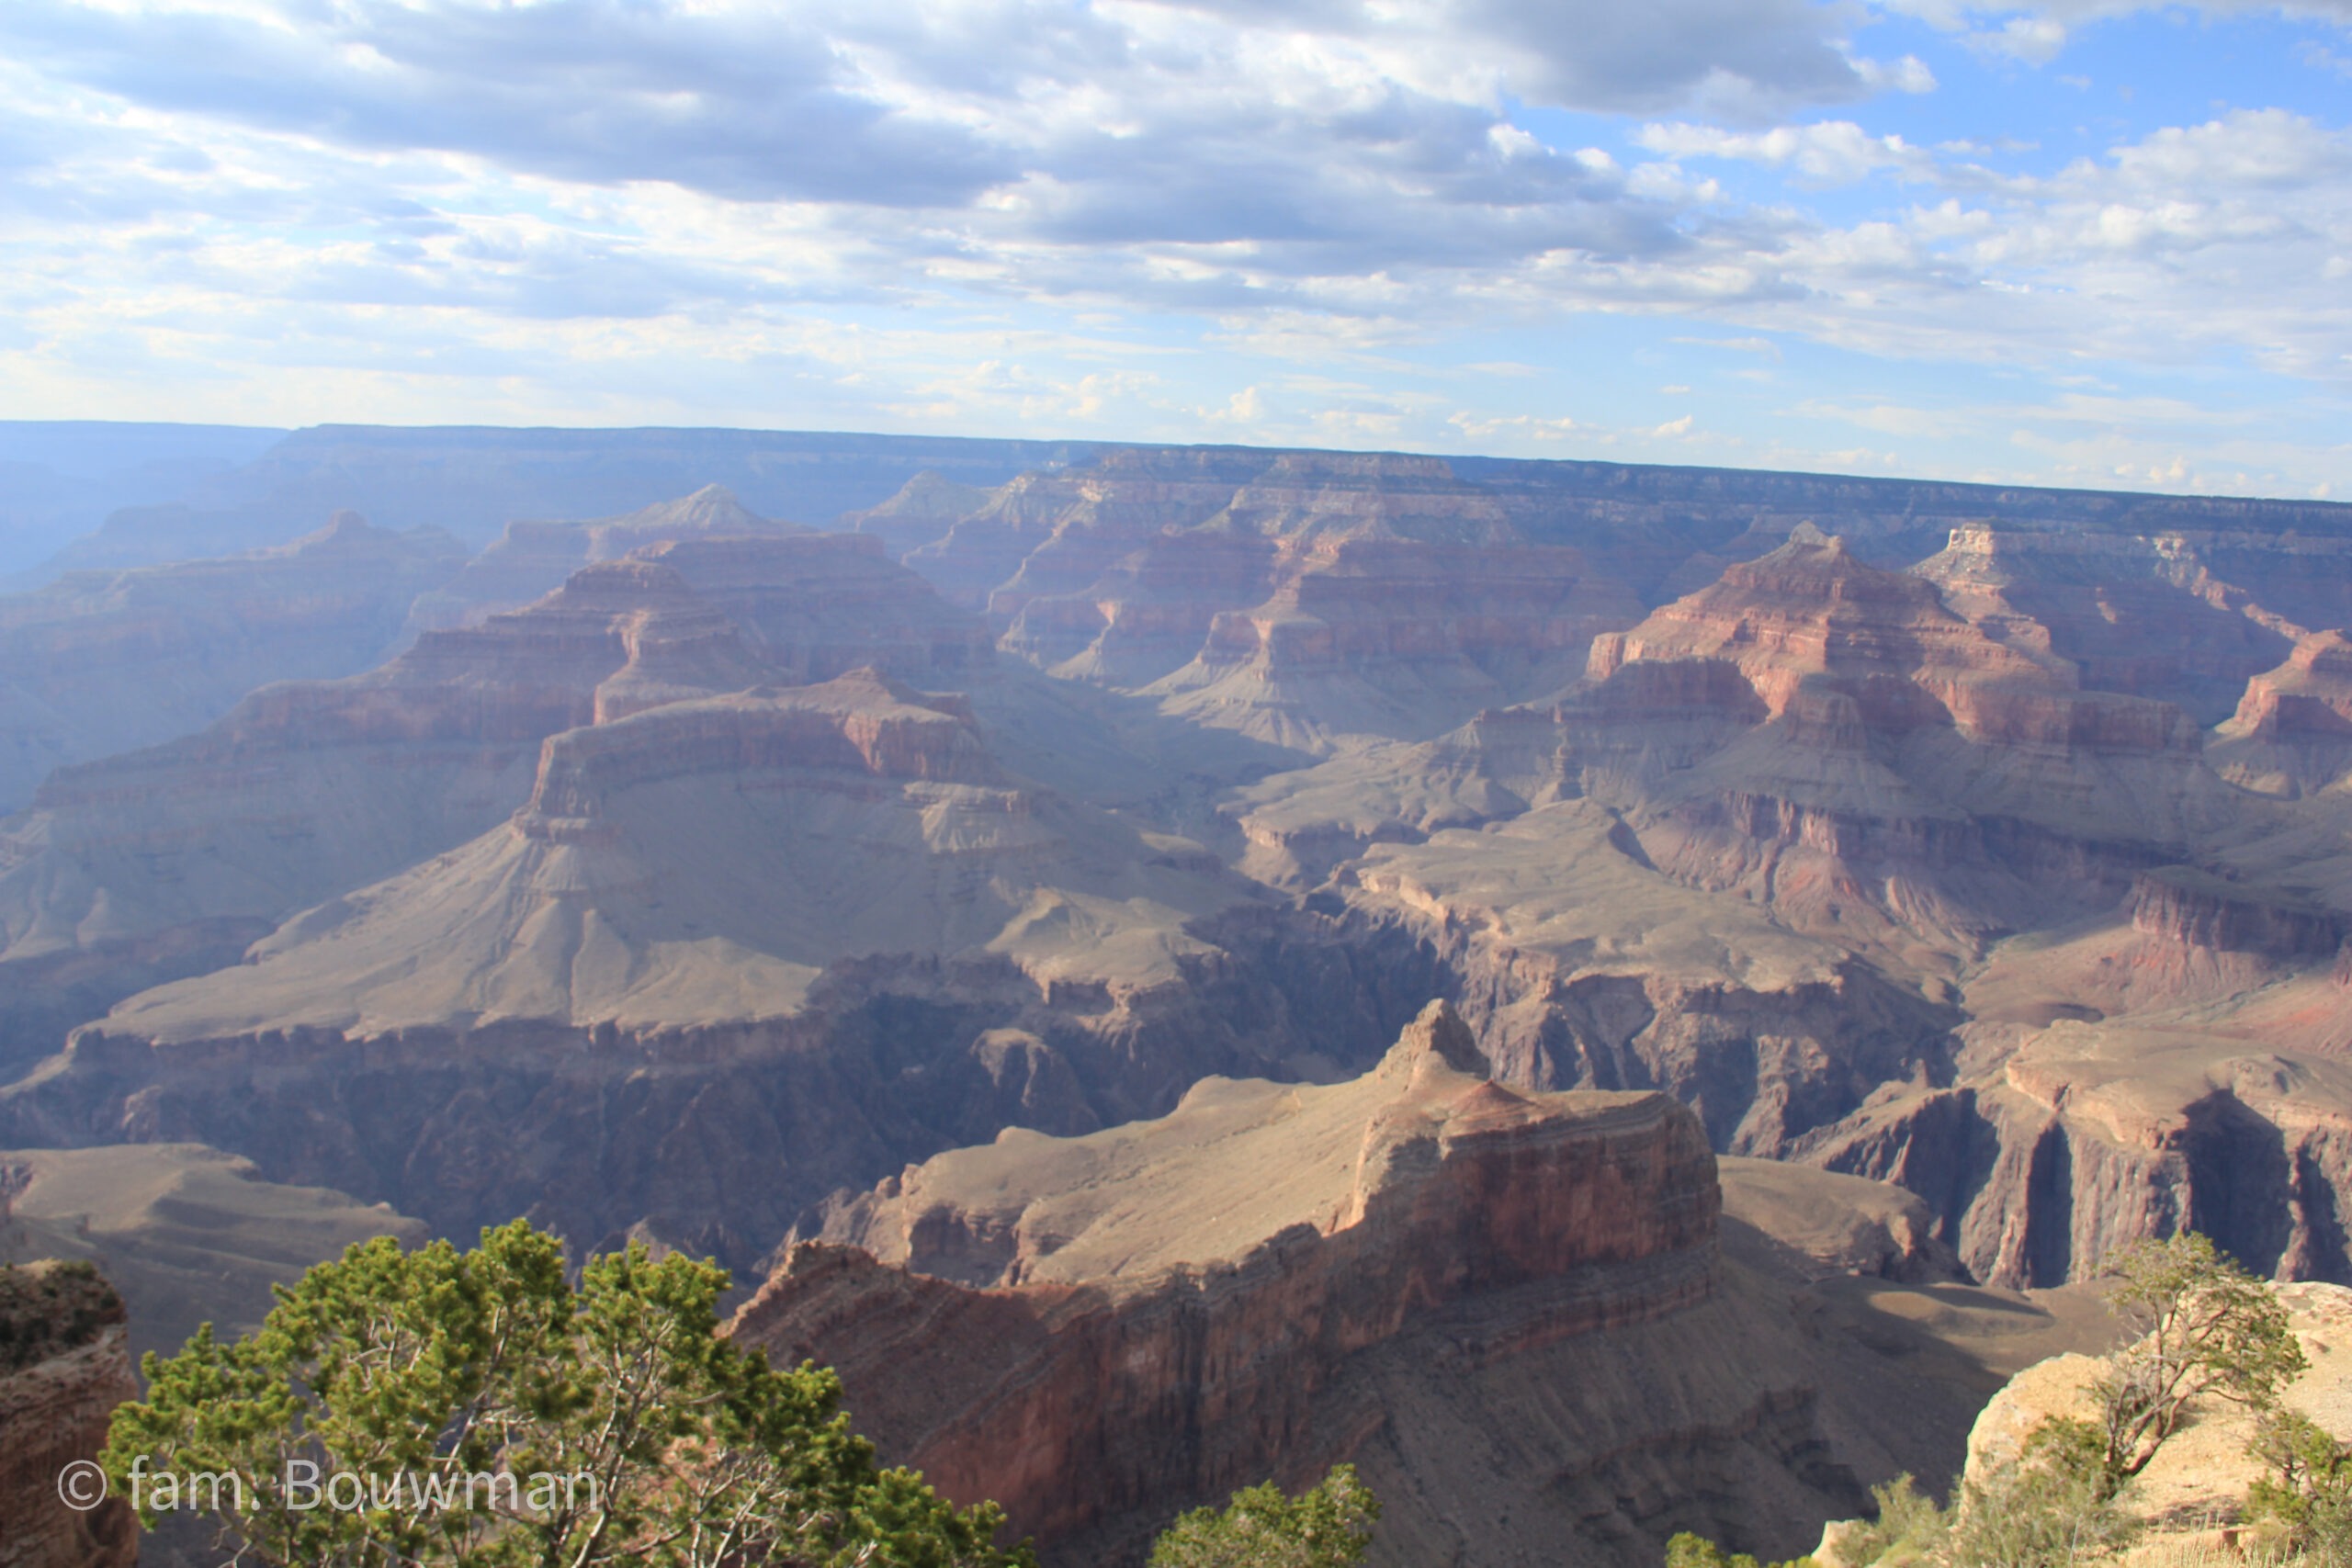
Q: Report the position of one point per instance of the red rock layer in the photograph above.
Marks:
(861, 723)
(1305, 563)
(2187, 908)
(1092, 1411)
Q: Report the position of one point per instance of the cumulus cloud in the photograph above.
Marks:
(967, 211)
(1833, 151)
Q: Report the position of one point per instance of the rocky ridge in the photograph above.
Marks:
(1275, 1277)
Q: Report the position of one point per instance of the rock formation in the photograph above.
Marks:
(1300, 598)
(1393, 1271)
(531, 560)
(2291, 734)
(162, 863)
(843, 932)
(2192, 1496)
(102, 661)
(64, 1368)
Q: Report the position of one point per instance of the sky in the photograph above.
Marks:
(2081, 242)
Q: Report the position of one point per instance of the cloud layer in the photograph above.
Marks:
(1279, 220)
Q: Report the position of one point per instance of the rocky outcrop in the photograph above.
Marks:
(1298, 597)
(926, 507)
(2192, 909)
(164, 862)
(1097, 1332)
(2291, 735)
(531, 560)
(170, 862)
(64, 1368)
(2097, 1134)
(101, 663)
(812, 932)
(1577, 965)
(2184, 616)
(818, 605)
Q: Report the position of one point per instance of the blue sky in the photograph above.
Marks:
(2085, 242)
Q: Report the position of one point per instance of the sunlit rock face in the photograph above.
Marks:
(1100, 1331)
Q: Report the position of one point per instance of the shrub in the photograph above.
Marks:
(2049, 1507)
(1328, 1526)
(1689, 1551)
(2309, 1491)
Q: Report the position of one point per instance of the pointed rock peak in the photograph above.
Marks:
(867, 686)
(1804, 536)
(345, 527)
(1487, 1098)
(1438, 1037)
(712, 509)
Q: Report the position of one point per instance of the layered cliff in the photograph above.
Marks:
(1100, 1331)
(822, 604)
(161, 863)
(64, 1368)
(530, 559)
(1298, 597)
(158, 863)
(102, 661)
(2291, 735)
(2186, 617)
(815, 927)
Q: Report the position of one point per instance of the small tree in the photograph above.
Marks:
(2201, 1327)
(1690, 1550)
(2309, 1490)
(486, 1413)
(2049, 1507)
(1910, 1528)
(1328, 1526)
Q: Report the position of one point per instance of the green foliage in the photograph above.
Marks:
(1910, 1529)
(1328, 1526)
(427, 1373)
(1689, 1551)
(2049, 1507)
(2309, 1490)
(2204, 1326)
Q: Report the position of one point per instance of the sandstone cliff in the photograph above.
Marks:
(158, 863)
(2291, 734)
(1395, 1270)
(154, 864)
(64, 1368)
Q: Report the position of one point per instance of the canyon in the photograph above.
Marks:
(856, 879)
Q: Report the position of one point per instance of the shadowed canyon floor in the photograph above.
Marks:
(1967, 867)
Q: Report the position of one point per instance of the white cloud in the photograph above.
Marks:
(1834, 151)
